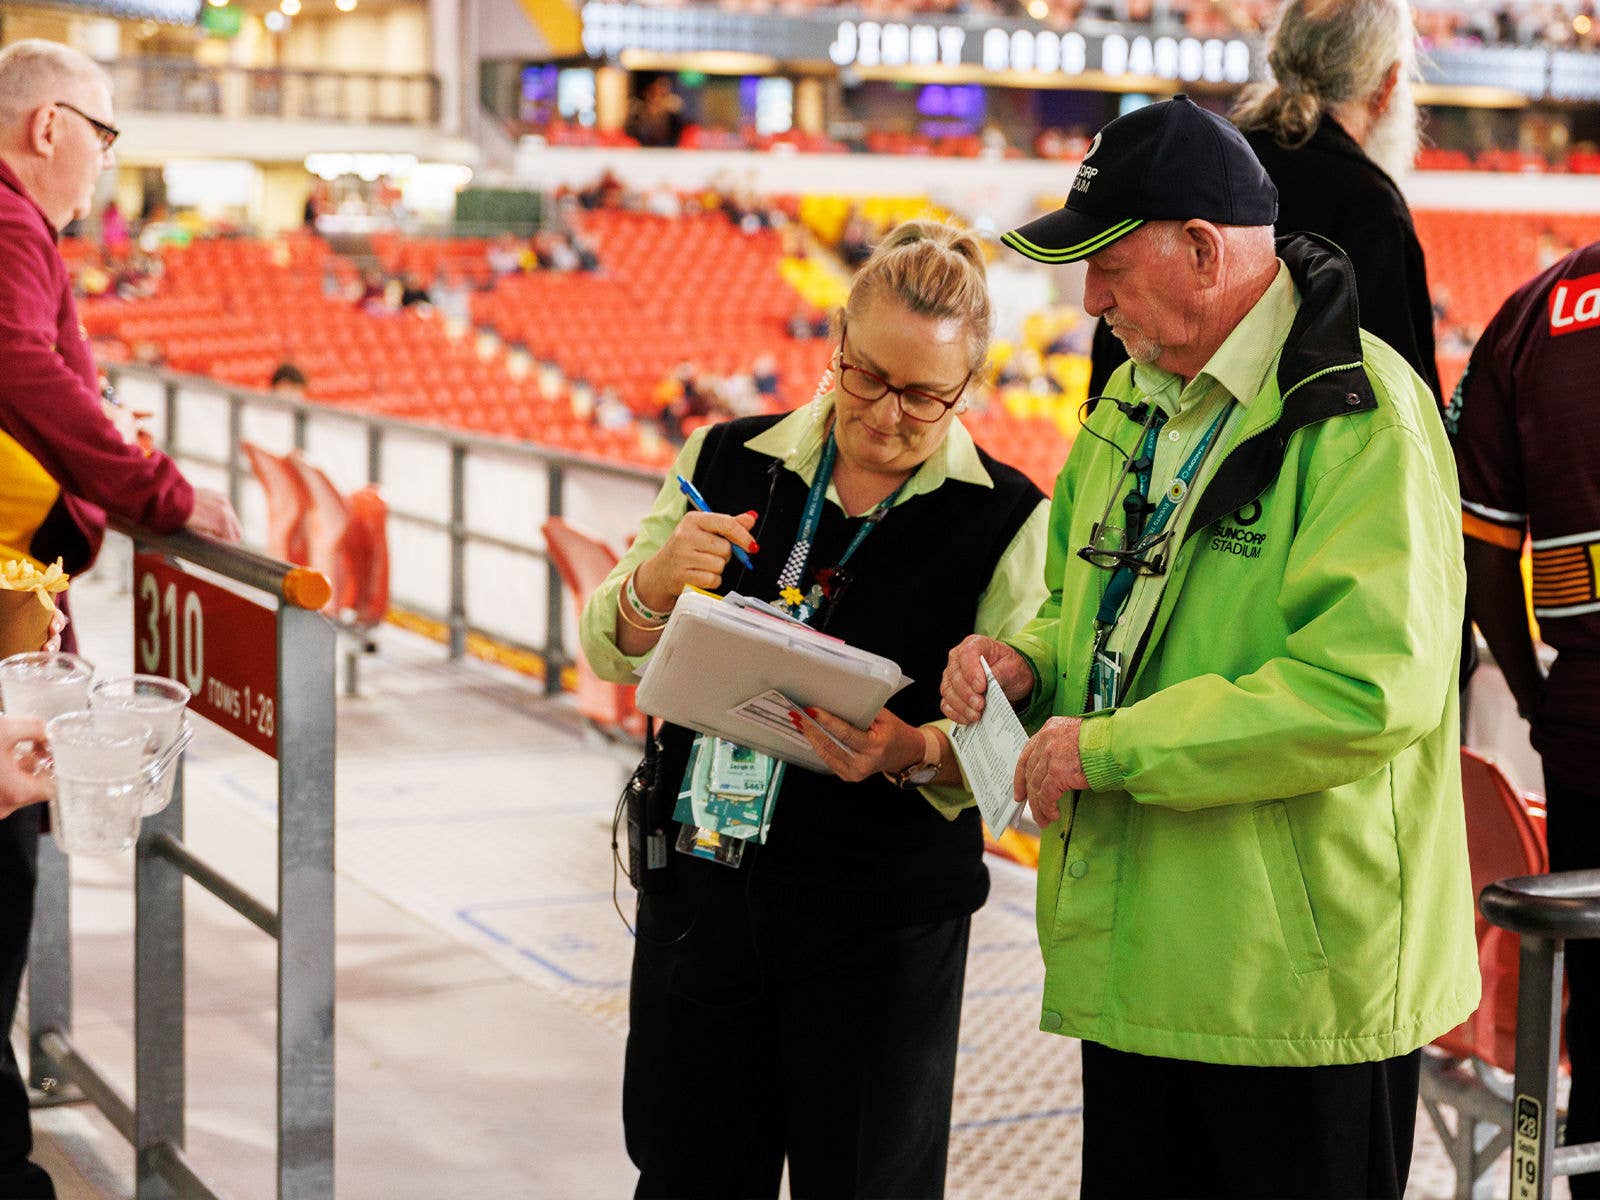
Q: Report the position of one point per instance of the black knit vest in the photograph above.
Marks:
(882, 852)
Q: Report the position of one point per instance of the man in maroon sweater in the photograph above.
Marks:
(63, 465)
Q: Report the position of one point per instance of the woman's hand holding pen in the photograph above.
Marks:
(697, 553)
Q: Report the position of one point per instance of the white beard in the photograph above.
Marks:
(1396, 136)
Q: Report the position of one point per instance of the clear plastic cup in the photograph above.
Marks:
(99, 763)
(44, 684)
(161, 703)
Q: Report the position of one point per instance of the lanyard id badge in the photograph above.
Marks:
(1106, 682)
(729, 791)
(726, 799)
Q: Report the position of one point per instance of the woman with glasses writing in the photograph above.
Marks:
(803, 1005)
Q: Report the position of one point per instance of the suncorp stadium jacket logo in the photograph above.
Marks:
(1235, 536)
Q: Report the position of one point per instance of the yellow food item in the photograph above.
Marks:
(20, 575)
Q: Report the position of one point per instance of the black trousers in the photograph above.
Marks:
(19, 850)
(1162, 1128)
(773, 1030)
(1573, 827)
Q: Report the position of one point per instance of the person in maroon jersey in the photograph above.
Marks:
(63, 464)
(1526, 433)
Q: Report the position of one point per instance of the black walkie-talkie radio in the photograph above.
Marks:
(648, 812)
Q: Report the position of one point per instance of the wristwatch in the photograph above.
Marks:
(925, 769)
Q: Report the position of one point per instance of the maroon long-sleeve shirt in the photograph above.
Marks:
(63, 465)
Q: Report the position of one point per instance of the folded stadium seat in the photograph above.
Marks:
(1505, 838)
(583, 563)
(327, 523)
(366, 593)
(287, 503)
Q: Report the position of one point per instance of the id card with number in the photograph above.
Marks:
(1105, 679)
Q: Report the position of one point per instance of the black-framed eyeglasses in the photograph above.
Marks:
(1142, 559)
(1108, 546)
(108, 134)
(915, 403)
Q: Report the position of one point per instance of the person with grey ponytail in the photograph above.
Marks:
(1336, 126)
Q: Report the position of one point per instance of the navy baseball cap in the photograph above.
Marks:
(1169, 161)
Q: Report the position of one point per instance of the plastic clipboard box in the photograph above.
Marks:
(715, 656)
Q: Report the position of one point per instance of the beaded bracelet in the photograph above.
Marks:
(622, 611)
(649, 614)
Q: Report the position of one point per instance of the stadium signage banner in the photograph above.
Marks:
(610, 29)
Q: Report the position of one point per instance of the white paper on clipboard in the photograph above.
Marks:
(717, 656)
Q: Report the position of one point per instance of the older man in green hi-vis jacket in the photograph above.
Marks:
(1254, 901)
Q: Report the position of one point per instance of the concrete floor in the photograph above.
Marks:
(481, 967)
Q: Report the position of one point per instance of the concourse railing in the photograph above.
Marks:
(258, 657)
(465, 510)
(1546, 911)
(181, 85)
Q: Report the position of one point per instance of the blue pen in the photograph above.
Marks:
(699, 501)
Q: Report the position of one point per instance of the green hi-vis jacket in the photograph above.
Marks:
(1270, 867)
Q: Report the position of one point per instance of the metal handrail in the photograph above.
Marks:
(299, 586)
(549, 643)
(1565, 905)
(477, 442)
(154, 1120)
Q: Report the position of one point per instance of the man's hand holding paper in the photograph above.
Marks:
(965, 683)
(1050, 767)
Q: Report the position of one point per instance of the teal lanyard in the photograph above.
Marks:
(1120, 588)
(795, 568)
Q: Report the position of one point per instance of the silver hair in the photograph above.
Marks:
(33, 71)
(1324, 53)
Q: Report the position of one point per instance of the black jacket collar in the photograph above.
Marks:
(1320, 375)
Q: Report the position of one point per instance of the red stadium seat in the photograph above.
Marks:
(584, 562)
(287, 503)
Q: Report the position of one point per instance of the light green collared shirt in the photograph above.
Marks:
(1011, 597)
(1232, 377)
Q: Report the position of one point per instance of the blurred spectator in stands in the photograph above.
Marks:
(764, 372)
(1526, 435)
(664, 202)
(114, 237)
(1552, 248)
(504, 255)
(1334, 127)
(288, 380)
(606, 192)
(316, 200)
(370, 299)
(655, 117)
(63, 464)
(855, 243)
(588, 258)
(807, 323)
(610, 412)
(993, 141)
(1335, 131)
(412, 292)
